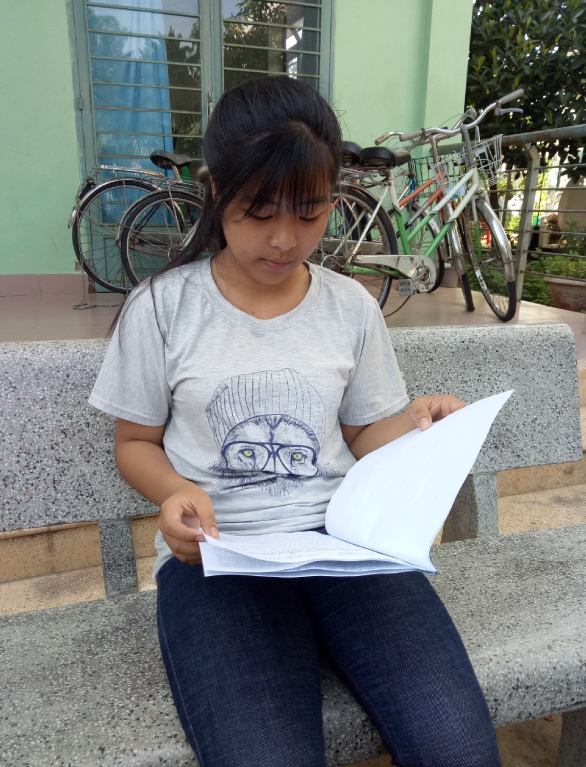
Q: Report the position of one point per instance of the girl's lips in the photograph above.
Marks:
(276, 266)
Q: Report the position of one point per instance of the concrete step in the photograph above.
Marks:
(557, 507)
(535, 478)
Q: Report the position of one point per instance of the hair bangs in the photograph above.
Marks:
(298, 173)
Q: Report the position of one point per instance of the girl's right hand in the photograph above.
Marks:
(182, 516)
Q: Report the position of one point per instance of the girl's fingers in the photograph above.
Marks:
(173, 526)
(207, 518)
(424, 410)
(421, 413)
(178, 546)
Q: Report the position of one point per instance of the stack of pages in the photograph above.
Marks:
(385, 514)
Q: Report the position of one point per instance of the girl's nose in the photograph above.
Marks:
(284, 235)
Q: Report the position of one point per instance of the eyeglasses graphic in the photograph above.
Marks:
(256, 456)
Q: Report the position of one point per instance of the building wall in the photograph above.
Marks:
(40, 166)
(396, 66)
(399, 65)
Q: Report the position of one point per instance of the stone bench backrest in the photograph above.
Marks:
(57, 451)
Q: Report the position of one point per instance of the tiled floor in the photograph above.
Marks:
(41, 318)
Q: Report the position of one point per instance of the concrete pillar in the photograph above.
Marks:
(572, 750)
(475, 510)
(118, 557)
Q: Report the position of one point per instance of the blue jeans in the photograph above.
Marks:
(241, 654)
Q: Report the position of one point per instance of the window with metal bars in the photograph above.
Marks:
(271, 38)
(151, 70)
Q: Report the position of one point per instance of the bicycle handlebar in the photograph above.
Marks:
(512, 96)
(414, 135)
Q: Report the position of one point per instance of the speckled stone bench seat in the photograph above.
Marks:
(84, 685)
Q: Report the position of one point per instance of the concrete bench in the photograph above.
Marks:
(85, 684)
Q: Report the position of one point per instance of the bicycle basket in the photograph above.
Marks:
(449, 171)
(489, 156)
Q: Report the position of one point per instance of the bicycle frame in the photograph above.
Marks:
(392, 266)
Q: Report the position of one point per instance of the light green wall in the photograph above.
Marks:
(39, 165)
(399, 64)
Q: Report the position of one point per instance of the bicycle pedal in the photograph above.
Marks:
(406, 287)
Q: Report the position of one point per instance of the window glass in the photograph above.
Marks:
(271, 38)
(146, 80)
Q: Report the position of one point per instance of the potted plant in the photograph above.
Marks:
(566, 276)
(567, 293)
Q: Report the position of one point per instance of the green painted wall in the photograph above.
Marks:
(40, 167)
(399, 65)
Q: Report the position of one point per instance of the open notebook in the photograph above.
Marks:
(385, 514)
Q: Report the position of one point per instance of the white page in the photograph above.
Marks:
(221, 561)
(395, 499)
(294, 548)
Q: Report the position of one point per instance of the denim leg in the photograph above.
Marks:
(241, 658)
(397, 648)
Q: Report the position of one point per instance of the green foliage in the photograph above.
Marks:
(573, 244)
(539, 45)
(535, 288)
(566, 267)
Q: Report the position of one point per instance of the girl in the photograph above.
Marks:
(246, 384)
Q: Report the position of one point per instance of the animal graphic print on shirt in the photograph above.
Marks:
(269, 427)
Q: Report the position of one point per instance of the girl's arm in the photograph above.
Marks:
(185, 507)
(421, 413)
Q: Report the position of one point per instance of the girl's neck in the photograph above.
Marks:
(257, 299)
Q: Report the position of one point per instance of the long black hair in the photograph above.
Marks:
(272, 138)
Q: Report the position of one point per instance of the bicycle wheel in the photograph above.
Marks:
(455, 239)
(154, 230)
(492, 263)
(96, 226)
(350, 217)
(423, 239)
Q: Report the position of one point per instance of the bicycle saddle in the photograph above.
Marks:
(166, 160)
(350, 154)
(383, 157)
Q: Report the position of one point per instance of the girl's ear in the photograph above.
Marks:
(213, 186)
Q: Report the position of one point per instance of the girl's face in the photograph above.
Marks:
(271, 243)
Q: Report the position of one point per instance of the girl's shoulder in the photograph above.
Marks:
(171, 284)
(167, 294)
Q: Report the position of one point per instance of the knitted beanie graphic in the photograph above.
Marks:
(269, 392)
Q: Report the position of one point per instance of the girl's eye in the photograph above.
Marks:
(259, 218)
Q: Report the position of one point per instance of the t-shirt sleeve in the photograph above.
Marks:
(132, 382)
(376, 390)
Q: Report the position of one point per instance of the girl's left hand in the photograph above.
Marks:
(425, 410)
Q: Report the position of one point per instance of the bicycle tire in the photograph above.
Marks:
(462, 273)
(162, 243)
(351, 194)
(440, 262)
(88, 229)
(492, 263)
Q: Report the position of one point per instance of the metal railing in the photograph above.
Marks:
(538, 201)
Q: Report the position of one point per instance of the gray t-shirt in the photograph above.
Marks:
(253, 407)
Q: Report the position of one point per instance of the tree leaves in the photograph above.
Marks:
(539, 45)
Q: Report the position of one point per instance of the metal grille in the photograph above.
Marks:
(263, 38)
(145, 63)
